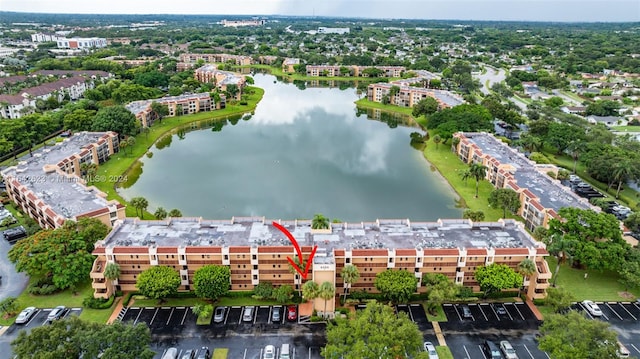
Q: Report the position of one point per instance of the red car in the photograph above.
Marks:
(292, 313)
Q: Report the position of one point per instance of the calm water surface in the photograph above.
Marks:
(302, 152)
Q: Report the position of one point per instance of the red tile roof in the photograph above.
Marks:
(203, 249)
(239, 249)
(510, 251)
(370, 252)
(133, 250)
(476, 251)
(441, 252)
(405, 252)
(171, 250)
(282, 249)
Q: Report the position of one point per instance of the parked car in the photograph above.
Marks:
(189, 354)
(275, 314)
(26, 315)
(292, 313)
(623, 352)
(56, 313)
(507, 350)
(592, 308)
(431, 350)
(171, 353)
(218, 316)
(285, 352)
(466, 312)
(491, 350)
(269, 352)
(204, 353)
(247, 315)
(500, 310)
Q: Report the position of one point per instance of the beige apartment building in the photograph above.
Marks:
(256, 251)
(177, 106)
(354, 70)
(47, 186)
(541, 196)
(239, 60)
(408, 96)
(289, 64)
(221, 79)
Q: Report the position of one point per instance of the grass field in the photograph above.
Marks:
(364, 103)
(220, 353)
(451, 168)
(439, 317)
(444, 352)
(626, 128)
(190, 302)
(277, 71)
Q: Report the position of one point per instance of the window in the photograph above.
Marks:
(255, 277)
(255, 267)
(347, 260)
(226, 257)
(254, 257)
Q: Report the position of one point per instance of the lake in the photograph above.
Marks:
(303, 151)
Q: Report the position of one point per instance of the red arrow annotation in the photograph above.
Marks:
(304, 273)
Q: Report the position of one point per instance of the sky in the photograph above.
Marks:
(507, 10)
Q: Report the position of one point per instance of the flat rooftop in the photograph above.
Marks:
(552, 194)
(66, 196)
(257, 231)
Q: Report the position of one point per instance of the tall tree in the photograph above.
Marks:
(319, 222)
(160, 213)
(375, 332)
(212, 281)
(310, 291)
(496, 277)
(112, 271)
(475, 216)
(158, 282)
(426, 106)
(478, 172)
(140, 204)
(526, 268)
(326, 292)
(75, 338)
(63, 253)
(161, 110)
(396, 285)
(440, 289)
(559, 299)
(505, 198)
(175, 213)
(572, 335)
(350, 274)
(117, 119)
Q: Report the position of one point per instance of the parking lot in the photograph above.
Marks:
(489, 315)
(613, 312)
(469, 346)
(38, 319)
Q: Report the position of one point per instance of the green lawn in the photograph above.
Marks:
(439, 317)
(190, 302)
(204, 320)
(523, 99)
(66, 298)
(220, 353)
(626, 128)
(444, 352)
(451, 168)
(364, 103)
(120, 163)
(573, 96)
(277, 71)
(599, 286)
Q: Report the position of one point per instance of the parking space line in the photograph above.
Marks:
(614, 312)
(494, 312)
(186, 310)
(270, 313)
(465, 350)
(410, 314)
(518, 310)
(482, 351)
(584, 309)
(508, 313)
(255, 316)
(170, 315)
(635, 304)
(309, 352)
(138, 316)
(245, 354)
(33, 317)
(628, 312)
(482, 311)
(527, 349)
(634, 347)
(154, 316)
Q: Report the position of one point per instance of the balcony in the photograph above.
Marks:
(97, 271)
(99, 284)
(543, 270)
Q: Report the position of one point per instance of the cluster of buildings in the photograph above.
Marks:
(256, 251)
(408, 96)
(354, 70)
(48, 184)
(177, 106)
(24, 102)
(541, 196)
(240, 23)
(221, 79)
(189, 60)
(75, 43)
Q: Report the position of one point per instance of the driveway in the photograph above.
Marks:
(13, 283)
(493, 76)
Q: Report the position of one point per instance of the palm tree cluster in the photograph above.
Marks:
(476, 171)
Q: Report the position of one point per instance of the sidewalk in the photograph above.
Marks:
(534, 309)
(116, 311)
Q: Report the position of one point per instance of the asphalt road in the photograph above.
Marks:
(13, 283)
(493, 75)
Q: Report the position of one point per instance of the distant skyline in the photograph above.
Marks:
(494, 10)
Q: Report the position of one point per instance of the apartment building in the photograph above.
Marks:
(238, 23)
(356, 71)
(81, 43)
(47, 186)
(333, 30)
(408, 96)
(16, 106)
(177, 105)
(239, 60)
(221, 79)
(541, 196)
(256, 251)
(289, 64)
(41, 37)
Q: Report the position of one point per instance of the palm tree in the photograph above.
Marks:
(112, 272)
(296, 275)
(575, 149)
(131, 141)
(478, 171)
(310, 291)
(160, 213)
(465, 176)
(140, 203)
(175, 213)
(320, 222)
(350, 275)
(526, 268)
(561, 248)
(621, 173)
(454, 144)
(437, 139)
(326, 291)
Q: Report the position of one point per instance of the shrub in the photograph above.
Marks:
(244, 103)
(98, 303)
(263, 290)
(127, 298)
(465, 292)
(42, 286)
(239, 294)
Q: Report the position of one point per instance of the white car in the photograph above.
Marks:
(269, 352)
(429, 348)
(592, 308)
(507, 350)
(26, 315)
